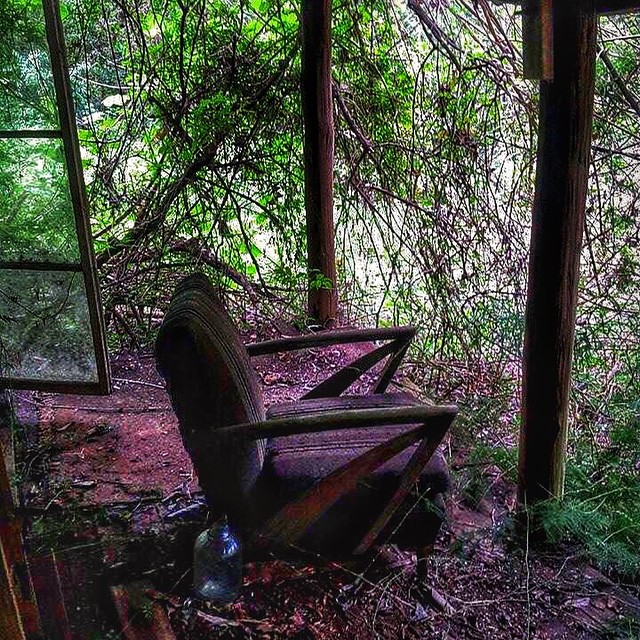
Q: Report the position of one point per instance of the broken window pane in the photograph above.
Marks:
(44, 326)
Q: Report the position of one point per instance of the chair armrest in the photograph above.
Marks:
(326, 338)
(399, 339)
(338, 419)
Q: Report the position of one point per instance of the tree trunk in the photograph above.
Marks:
(566, 108)
(317, 111)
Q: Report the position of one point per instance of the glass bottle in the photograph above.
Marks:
(217, 564)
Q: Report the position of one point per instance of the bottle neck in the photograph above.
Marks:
(219, 529)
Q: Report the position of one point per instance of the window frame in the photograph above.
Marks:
(87, 266)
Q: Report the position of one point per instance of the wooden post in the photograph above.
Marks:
(317, 113)
(10, 619)
(566, 108)
(14, 568)
(537, 39)
(10, 622)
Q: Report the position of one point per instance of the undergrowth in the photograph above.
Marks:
(600, 507)
(599, 511)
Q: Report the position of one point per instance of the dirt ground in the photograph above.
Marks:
(108, 475)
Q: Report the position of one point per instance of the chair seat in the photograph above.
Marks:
(295, 463)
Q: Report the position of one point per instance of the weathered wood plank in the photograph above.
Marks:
(10, 622)
(141, 617)
(566, 109)
(46, 584)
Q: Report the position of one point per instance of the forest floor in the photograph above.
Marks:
(107, 486)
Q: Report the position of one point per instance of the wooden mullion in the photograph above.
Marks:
(36, 265)
(31, 133)
(73, 158)
(81, 387)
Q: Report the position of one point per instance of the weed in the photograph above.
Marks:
(605, 523)
(106, 635)
(627, 628)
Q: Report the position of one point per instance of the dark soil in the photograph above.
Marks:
(109, 476)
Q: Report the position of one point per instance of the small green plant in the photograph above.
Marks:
(318, 280)
(109, 634)
(141, 608)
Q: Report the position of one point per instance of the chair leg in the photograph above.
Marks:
(426, 548)
(422, 557)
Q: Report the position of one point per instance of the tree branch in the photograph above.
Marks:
(204, 254)
(632, 101)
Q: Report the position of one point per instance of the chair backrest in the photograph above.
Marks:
(211, 384)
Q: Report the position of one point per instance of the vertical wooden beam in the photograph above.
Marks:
(10, 620)
(564, 140)
(14, 570)
(537, 39)
(66, 113)
(317, 113)
(10, 623)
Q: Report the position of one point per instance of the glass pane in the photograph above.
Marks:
(36, 214)
(44, 327)
(27, 95)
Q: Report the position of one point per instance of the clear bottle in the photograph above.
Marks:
(217, 564)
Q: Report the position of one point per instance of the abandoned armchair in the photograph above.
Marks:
(330, 473)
